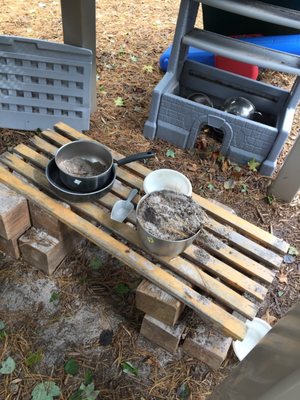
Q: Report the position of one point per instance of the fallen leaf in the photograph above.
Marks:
(129, 369)
(148, 68)
(293, 251)
(192, 167)
(119, 102)
(8, 366)
(229, 184)
(253, 164)
(288, 259)
(282, 277)
(270, 319)
(170, 153)
(224, 166)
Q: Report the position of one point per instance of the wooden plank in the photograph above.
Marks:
(247, 246)
(10, 247)
(233, 257)
(243, 226)
(158, 304)
(31, 155)
(209, 311)
(206, 345)
(54, 137)
(43, 251)
(43, 145)
(14, 214)
(228, 274)
(182, 267)
(163, 335)
(238, 223)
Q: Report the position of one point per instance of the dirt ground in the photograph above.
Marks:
(62, 317)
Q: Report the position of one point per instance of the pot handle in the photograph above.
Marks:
(135, 157)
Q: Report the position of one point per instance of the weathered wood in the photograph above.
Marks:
(207, 309)
(43, 220)
(158, 304)
(249, 247)
(228, 254)
(14, 214)
(182, 267)
(42, 145)
(243, 226)
(206, 345)
(238, 223)
(10, 247)
(163, 335)
(230, 275)
(44, 251)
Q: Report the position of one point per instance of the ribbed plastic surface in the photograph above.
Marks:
(42, 83)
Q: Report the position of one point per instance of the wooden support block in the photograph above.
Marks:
(207, 345)
(163, 335)
(43, 251)
(14, 214)
(40, 219)
(157, 303)
(10, 247)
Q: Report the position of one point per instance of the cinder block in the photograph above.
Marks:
(206, 345)
(157, 303)
(14, 214)
(41, 219)
(163, 335)
(10, 247)
(44, 251)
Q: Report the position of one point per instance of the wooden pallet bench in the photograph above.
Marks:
(230, 266)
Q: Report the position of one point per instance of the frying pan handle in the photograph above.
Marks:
(136, 157)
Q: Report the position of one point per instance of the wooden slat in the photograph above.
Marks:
(238, 223)
(243, 226)
(179, 265)
(247, 246)
(226, 322)
(225, 272)
(54, 137)
(31, 155)
(41, 144)
(242, 262)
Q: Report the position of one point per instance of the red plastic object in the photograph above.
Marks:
(237, 67)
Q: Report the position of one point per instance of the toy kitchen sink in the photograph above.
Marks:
(178, 120)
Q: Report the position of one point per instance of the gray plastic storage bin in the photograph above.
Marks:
(178, 120)
(42, 83)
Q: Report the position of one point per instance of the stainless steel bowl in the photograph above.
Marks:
(240, 106)
(201, 98)
(157, 246)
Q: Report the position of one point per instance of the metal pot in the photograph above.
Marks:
(86, 166)
(201, 98)
(158, 246)
(240, 106)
